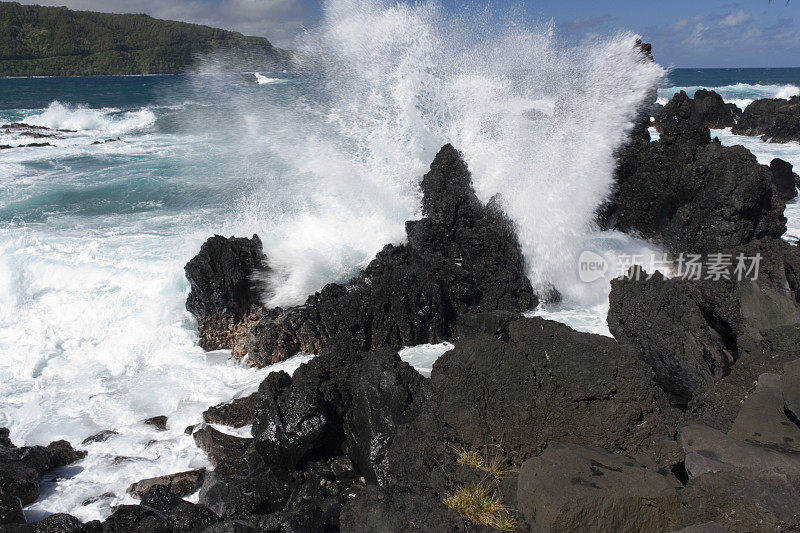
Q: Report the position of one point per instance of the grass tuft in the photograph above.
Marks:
(494, 466)
(478, 504)
(471, 458)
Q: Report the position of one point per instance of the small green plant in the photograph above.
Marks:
(471, 458)
(478, 504)
(495, 466)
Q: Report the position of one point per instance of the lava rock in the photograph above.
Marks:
(11, 510)
(784, 179)
(382, 389)
(99, 437)
(462, 257)
(571, 487)
(240, 486)
(706, 108)
(762, 417)
(236, 413)
(774, 119)
(219, 446)
(740, 504)
(225, 293)
(180, 484)
(158, 422)
(180, 514)
(717, 403)
(692, 331)
(548, 382)
(20, 468)
(690, 194)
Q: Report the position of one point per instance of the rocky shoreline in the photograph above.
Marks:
(687, 420)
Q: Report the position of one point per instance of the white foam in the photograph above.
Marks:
(264, 80)
(741, 94)
(110, 121)
(423, 356)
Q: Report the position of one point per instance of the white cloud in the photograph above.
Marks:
(698, 32)
(681, 24)
(735, 19)
(277, 20)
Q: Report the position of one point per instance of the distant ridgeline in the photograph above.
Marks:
(56, 41)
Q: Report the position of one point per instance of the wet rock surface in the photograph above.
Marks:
(462, 256)
(692, 331)
(225, 292)
(691, 194)
(773, 119)
(20, 468)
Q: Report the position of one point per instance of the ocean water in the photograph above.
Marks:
(323, 163)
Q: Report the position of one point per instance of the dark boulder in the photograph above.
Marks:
(548, 382)
(717, 403)
(382, 389)
(706, 108)
(219, 446)
(571, 487)
(337, 399)
(784, 179)
(20, 468)
(774, 119)
(744, 486)
(462, 257)
(158, 422)
(690, 194)
(11, 510)
(244, 485)
(56, 523)
(225, 293)
(180, 515)
(179, 484)
(236, 413)
(692, 331)
(100, 437)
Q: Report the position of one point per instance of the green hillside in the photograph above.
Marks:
(56, 41)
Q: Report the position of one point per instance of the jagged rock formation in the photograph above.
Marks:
(689, 193)
(225, 295)
(462, 257)
(692, 331)
(774, 119)
(786, 181)
(20, 468)
(707, 107)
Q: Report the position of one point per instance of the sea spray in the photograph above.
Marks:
(537, 121)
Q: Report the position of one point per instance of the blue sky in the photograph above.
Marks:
(684, 33)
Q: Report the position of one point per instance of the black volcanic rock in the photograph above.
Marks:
(508, 398)
(547, 382)
(784, 179)
(692, 331)
(219, 446)
(774, 119)
(224, 292)
(688, 193)
(462, 257)
(337, 398)
(571, 487)
(20, 468)
(706, 108)
(236, 413)
(382, 389)
(11, 510)
(179, 484)
(243, 485)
